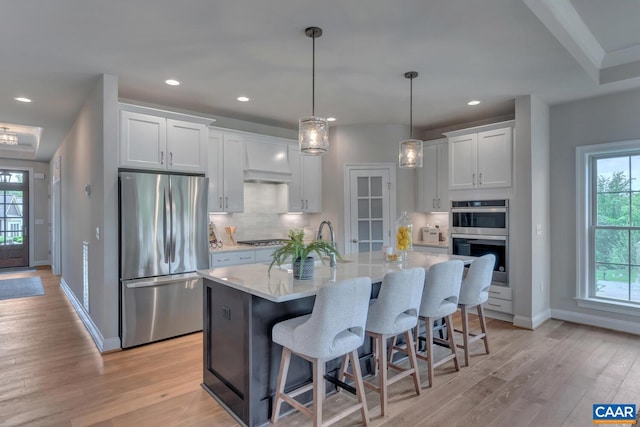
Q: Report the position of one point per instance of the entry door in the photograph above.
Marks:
(369, 201)
(14, 218)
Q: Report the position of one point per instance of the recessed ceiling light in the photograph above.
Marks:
(172, 82)
(331, 119)
(242, 98)
(22, 99)
(474, 102)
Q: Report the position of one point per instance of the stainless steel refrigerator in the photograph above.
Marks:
(163, 241)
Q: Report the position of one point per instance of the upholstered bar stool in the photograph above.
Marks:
(473, 293)
(440, 300)
(334, 328)
(393, 313)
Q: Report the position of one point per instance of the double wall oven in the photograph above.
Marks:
(480, 227)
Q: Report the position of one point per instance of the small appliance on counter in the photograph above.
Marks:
(431, 235)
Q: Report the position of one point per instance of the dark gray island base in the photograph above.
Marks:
(241, 306)
(241, 362)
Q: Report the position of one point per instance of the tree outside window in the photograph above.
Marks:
(616, 228)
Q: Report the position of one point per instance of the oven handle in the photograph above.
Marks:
(480, 210)
(479, 236)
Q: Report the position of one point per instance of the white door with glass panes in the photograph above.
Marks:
(369, 201)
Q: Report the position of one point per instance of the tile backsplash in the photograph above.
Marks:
(262, 217)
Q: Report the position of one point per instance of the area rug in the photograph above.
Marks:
(21, 287)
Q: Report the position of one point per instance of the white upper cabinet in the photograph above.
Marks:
(149, 140)
(186, 146)
(433, 178)
(226, 158)
(305, 188)
(481, 157)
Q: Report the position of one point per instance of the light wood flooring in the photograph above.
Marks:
(51, 374)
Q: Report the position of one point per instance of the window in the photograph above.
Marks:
(608, 226)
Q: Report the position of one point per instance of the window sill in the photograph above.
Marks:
(610, 306)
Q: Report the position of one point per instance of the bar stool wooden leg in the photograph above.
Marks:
(465, 333)
(483, 326)
(449, 322)
(411, 351)
(384, 372)
(318, 391)
(355, 366)
(282, 379)
(428, 330)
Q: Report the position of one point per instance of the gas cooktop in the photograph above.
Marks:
(262, 242)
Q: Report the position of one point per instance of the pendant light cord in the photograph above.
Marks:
(411, 108)
(313, 77)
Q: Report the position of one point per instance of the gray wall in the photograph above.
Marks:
(373, 143)
(598, 120)
(88, 157)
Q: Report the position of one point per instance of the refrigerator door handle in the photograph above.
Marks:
(165, 225)
(172, 237)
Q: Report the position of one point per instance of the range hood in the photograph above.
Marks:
(267, 162)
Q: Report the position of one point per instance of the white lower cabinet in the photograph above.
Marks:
(499, 299)
(225, 258)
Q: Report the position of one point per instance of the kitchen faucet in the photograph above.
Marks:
(332, 257)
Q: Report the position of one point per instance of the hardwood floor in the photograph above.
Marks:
(51, 374)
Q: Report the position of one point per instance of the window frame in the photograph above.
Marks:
(585, 235)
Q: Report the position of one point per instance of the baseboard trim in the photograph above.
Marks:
(104, 345)
(498, 315)
(40, 263)
(531, 322)
(598, 321)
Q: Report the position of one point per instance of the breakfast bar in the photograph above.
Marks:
(241, 305)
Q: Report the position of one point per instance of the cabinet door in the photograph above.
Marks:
(143, 140)
(215, 172)
(233, 168)
(312, 183)
(494, 158)
(443, 178)
(428, 179)
(462, 161)
(296, 200)
(186, 146)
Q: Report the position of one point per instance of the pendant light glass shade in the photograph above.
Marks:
(313, 134)
(7, 138)
(410, 155)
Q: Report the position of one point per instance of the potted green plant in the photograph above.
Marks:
(300, 254)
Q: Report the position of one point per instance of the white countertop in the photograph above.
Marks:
(280, 285)
(237, 248)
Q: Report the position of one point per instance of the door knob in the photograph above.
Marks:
(354, 240)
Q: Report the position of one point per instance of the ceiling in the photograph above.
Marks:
(492, 50)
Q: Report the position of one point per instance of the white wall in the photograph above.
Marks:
(88, 155)
(597, 120)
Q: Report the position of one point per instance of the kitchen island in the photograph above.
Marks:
(241, 305)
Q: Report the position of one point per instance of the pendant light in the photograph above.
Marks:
(410, 155)
(313, 135)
